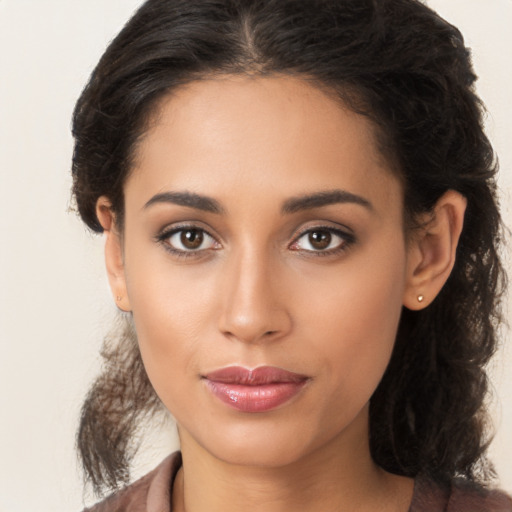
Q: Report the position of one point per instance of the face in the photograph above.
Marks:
(263, 231)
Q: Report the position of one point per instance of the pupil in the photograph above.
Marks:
(320, 239)
(192, 239)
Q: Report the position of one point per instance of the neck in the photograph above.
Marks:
(338, 476)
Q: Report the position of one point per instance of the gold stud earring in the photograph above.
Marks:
(118, 298)
(421, 298)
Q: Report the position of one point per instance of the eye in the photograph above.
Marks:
(188, 239)
(322, 239)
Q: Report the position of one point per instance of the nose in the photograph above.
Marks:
(253, 310)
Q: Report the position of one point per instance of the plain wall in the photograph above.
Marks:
(55, 305)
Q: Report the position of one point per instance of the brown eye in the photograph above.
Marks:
(320, 240)
(191, 238)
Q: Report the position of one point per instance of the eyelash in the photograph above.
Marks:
(163, 238)
(348, 239)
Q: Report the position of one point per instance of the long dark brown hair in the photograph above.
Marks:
(406, 69)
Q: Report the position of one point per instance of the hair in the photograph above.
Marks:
(406, 69)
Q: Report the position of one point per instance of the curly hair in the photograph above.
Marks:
(405, 68)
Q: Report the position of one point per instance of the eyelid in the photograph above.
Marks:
(343, 232)
(348, 238)
(163, 236)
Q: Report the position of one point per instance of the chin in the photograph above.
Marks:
(265, 446)
(263, 455)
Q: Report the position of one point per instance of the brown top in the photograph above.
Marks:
(152, 493)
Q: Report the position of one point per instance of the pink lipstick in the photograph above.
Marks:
(258, 390)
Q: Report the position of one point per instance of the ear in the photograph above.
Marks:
(113, 253)
(431, 251)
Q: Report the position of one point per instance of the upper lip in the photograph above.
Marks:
(255, 377)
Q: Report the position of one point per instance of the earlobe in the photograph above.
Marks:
(431, 252)
(113, 253)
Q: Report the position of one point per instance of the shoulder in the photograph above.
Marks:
(468, 496)
(460, 496)
(151, 492)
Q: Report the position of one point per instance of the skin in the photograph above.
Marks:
(257, 291)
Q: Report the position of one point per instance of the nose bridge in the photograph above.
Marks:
(252, 310)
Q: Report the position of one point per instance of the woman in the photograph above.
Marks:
(301, 225)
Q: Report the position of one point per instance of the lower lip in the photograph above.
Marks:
(255, 398)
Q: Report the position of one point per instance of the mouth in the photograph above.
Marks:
(259, 390)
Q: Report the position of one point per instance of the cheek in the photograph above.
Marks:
(169, 316)
(168, 301)
(356, 316)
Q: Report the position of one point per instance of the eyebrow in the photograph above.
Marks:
(189, 199)
(323, 198)
(292, 205)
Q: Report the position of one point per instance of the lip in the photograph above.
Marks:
(259, 390)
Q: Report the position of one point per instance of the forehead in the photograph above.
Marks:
(278, 134)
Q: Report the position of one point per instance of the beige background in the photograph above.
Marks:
(54, 301)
